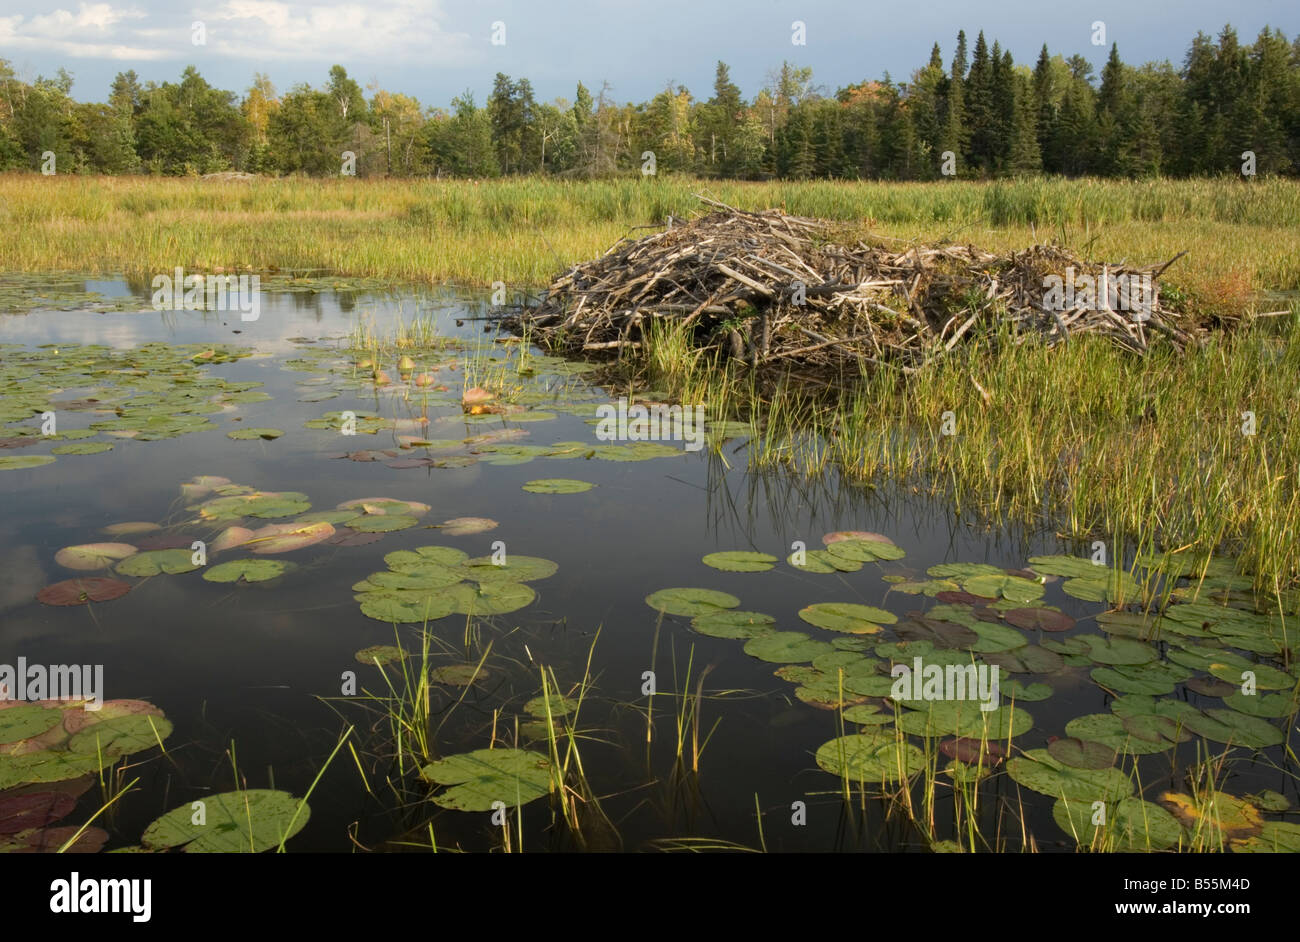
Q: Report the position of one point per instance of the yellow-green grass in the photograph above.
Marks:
(1241, 237)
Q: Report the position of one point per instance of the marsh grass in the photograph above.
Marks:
(1082, 439)
(1242, 237)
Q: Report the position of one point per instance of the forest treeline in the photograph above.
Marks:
(993, 116)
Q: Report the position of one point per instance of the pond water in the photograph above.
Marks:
(251, 675)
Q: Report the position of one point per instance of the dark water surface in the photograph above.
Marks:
(261, 665)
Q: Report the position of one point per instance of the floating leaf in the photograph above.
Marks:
(121, 734)
(740, 561)
(155, 562)
(515, 569)
(464, 526)
(733, 624)
(26, 720)
(285, 537)
(1110, 730)
(870, 758)
(1132, 825)
(847, 617)
(786, 647)
(1220, 817)
(239, 822)
(1014, 588)
(690, 602)
(381, 653)
(458, 675)
(1275, 837)
(385, 523)
(1037, 770)
(1082, 753)
(483, 777)
(557, 486)
(89, 556)
(865, 551)
(82, 448)
(19, 462)
(81, 591)
(403, 560)
(963, 571)
(246, 570)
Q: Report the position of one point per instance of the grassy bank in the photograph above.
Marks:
(1083, 439)
(1241, 237)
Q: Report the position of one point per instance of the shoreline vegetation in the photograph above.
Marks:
(1085, 439)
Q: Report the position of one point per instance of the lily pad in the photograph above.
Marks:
(733, 624)
(865, 551)
(155, 562)
(740, 561)
(89, 556)
(82, 448)
(81, 591)
(248, 434)
(1082, 753)
(1013, 588)
(485, 776)
(691, 602)
(383, 653)
(246, 570)
(1132, 825)
(404, 560)
(382, 523)
(870, 758)
(786, 647)
(1038, 771)
(847, 617)
(239, 822)
(19, 462)
(557, 486)
(1218, 818)
(464, 526)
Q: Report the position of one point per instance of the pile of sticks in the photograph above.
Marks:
(772, 288)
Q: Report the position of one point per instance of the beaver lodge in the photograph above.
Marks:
(774, 289)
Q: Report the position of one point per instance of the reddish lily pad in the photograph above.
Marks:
(81, 591)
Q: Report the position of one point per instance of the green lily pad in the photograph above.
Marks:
(1013, 588)
(690, 602)
(1072, 567)
(733, 624)
(786, 647)
(963, 571)
(557, 486)
(1132, 825)
(246, 570)
(1266, 677)
(27, 720)
(514, 569)
(20, 462)
(870, 758)
(1268, 705)
(865, 551)
(121, 735)
(485, 776)
(82, 448)
(1109, 730)
(1082, 753)
(382, 523)
(398, 607)
(740, 561)
(1118, 651)
(239, 822)
(155, 562)
(401, 560)
(248, 434)
(847, 617)
(383, 653)
(1038, 771)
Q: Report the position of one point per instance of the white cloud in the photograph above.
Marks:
(393, 31)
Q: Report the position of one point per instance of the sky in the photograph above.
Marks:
(436, 49)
